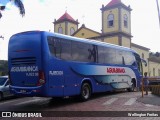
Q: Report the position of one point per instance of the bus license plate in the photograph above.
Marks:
(23, 91)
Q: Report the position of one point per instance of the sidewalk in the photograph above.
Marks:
(150, 99)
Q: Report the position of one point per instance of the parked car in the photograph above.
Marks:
(4, 87)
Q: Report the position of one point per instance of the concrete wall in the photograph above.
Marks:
(154, 68)
(126, 42)
(85, 33)
(112, 40)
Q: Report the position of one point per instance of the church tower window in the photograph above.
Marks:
(125, 21)
(60, 30)
(72, 30)
(110, 20)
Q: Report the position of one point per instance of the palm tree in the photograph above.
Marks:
(1, 8)
(17, 3)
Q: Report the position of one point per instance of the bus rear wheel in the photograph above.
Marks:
(85, 92)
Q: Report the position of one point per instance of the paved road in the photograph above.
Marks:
(121, 101)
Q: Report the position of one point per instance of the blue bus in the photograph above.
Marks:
(54, 65)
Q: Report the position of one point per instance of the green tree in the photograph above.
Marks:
(3, 67)
(17, 3)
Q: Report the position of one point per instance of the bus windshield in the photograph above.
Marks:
(139, 63)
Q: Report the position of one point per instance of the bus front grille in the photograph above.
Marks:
(23, 61)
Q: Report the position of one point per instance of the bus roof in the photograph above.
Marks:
(90, 41)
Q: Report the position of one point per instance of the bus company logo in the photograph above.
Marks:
(25, 69)
(115, 70)
(55, 73)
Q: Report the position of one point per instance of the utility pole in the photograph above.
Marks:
(158, 11)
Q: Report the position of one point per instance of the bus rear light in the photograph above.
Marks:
(36, 91)
(41, 80)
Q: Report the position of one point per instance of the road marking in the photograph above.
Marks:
(25, 102)
(130, 101)
(148, 105)
(110, 101)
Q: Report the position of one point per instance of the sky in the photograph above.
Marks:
(40, 15)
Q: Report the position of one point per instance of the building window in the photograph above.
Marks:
(158, 72)
(82, 34)
(110, 20)
(72, 30)
(125, 21)
(154, 72)
(60, 30)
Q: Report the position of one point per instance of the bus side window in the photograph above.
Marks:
(119, 57)
(92, 53)
(110, 55)
(51, 44)
(66, 49)
(57, 47)
(54, 46)
(75, 51)
(101, 53)
(80, 51)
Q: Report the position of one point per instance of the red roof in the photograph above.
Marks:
(113, 2)
(66, 16)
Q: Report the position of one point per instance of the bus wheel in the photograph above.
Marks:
(132, 88)
(85, 91)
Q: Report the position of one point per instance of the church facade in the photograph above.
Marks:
(116, 29)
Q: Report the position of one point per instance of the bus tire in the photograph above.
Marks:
(132, 88)
(85, 92)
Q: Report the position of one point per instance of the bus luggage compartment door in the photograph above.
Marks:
(56, 83)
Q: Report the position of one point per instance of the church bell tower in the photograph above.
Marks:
(116, 23)
(65, 24)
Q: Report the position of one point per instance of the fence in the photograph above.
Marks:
(153, 86)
